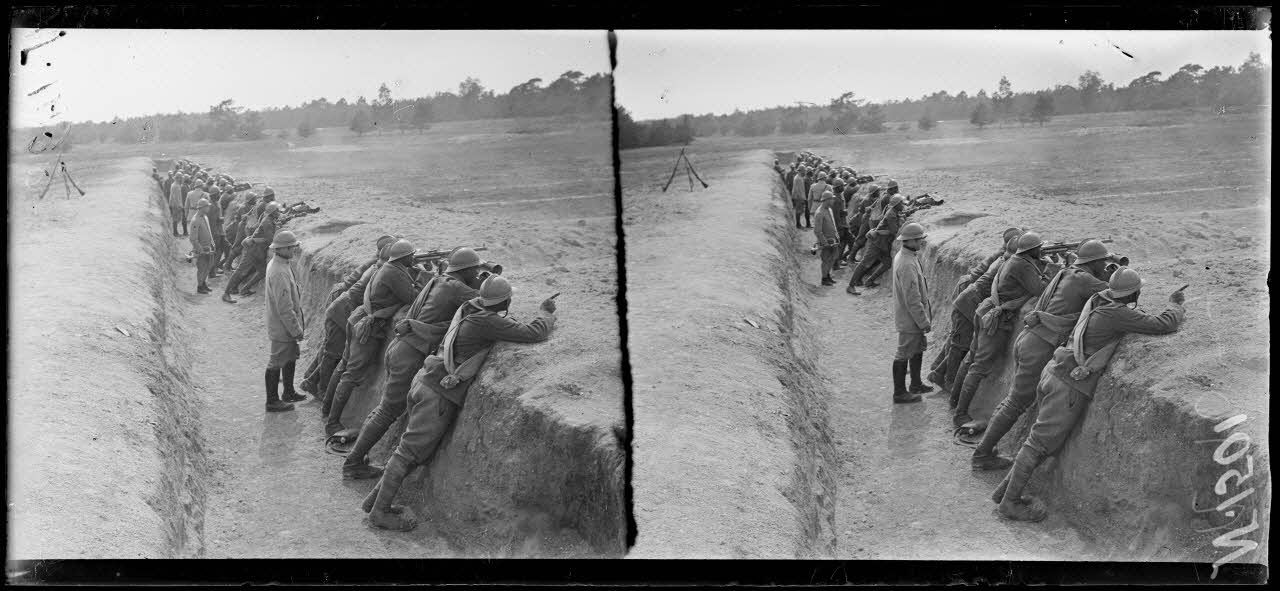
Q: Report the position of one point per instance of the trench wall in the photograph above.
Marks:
(513, 467)
(1138, 475)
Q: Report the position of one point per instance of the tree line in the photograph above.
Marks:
(572, 93)
(1192, 86)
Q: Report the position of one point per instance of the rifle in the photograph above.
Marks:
(439, 258)
(1060, 248)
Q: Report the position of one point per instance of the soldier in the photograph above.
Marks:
(316, 378)
(202, 245)
(215, 226)
(1068, 382)
(268, 197)
(944, 367)
(871, 208)
(285, 322)
(354, 295)
(439, 391)
(842, 222)
(177, 207)
(242, 229)
(1048, 326)
(194, 196)
(880, 246)
(417, 335)
(230, 209)
(391, 288)
(255, 254)
(912, 314)
(789, 179)
(798, 193)
(828, 235)
(1019, 279)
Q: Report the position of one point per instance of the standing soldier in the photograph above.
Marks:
(215, 225)
(316, 379)
(285, 322)
(866, 206)
(880, 246)
(177, 207)
(1068, 382)
(1047, 327)
(194, 196)
(1019, 279)
(828, 235)
(798, 194)
(439, 391)
(417, 335)
(912, 314)
(842, 224)
(202, 245)
(391, 288)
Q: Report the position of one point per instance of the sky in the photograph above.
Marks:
(98, 74)
(668, 73)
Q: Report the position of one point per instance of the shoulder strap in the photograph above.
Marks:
(421, 300)
(1047, 294)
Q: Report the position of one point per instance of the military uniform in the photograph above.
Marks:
(316, 378)
(880, 247)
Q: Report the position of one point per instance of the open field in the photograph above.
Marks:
(1185, 195)
(533, 467)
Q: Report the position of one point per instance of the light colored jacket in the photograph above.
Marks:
(824, 225)
(201, 235)
(284, 302)
(911, 311)
(797, 188)
(175, 196)
(194, 197)
(815, 192)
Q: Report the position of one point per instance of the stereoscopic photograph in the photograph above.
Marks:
(989, 296)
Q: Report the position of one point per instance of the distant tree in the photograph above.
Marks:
(844, 112)
(251, 126)
(872, 121)
(421, 118)
(305, 128)
(383, 107)
(1043, 109)
(683, 133)
(926, 121)
(1090, 89)
(1002, 100)
(361, 123)
(981, 115)
(822, 125)
(225, 120)
(659, 134)
(630, 134)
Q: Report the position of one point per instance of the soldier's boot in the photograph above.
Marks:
(382, 513)
(330, 388)
(985, 456)
(1013, 504)
(879, 270)
(957, 384)
(900, 393)
(967, 390)
(356, 466)
(323, 375)
(938, 369)
(856, 279)
(333, 422)
(308, 383)
(954, 358)
(274, 404)
(286, 375)
(917, 386)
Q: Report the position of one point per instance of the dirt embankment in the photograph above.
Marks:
(733, 456)
(106, 455)
(533, 466)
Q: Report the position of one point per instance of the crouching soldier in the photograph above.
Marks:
(1069, 380)
(440, 390)
(417, 335)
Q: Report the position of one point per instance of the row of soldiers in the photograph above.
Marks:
(432, 324)
(1078, 316)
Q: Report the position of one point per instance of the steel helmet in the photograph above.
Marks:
(1090, 251)
(892, 184)
(495, 290)
(402, 248)
(896, 200)
(384, 241)
(839, 182)
(873, 189)
(911, 231)
(284, 239)
(1124, 282)
(268, 193)
(828, 196)
(1011, 247)
(1010, 234)
(202, 203)
(1028, 241)
(271, 208)
(462, 258)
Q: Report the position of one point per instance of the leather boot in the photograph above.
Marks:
(1014, 505)
(308, 383)
(900, 393)
(871, 280)
(985, 456)
(329, 390)
(917, 386)
(286, 376)
(967, 390)
(938, 370)
(382, 513)
(356, 466)
(954, 358)
(333, 422)
(274, 403)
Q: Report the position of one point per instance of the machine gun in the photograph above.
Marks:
(1060, 249)
(439, 258)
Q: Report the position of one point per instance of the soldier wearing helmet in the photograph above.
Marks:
(828, 235)
(271, 214)
(912, 314)
(439, 390)
(799, 189)
(254, 263)
(1019, 280)
(177, 204)
(879, 246)
(202, 245)
(1048, 325)
(872, 209)
(391, 288)
(417, 335)
(285, 322)
(315, 380)
(1070, 378)
(943, 370)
